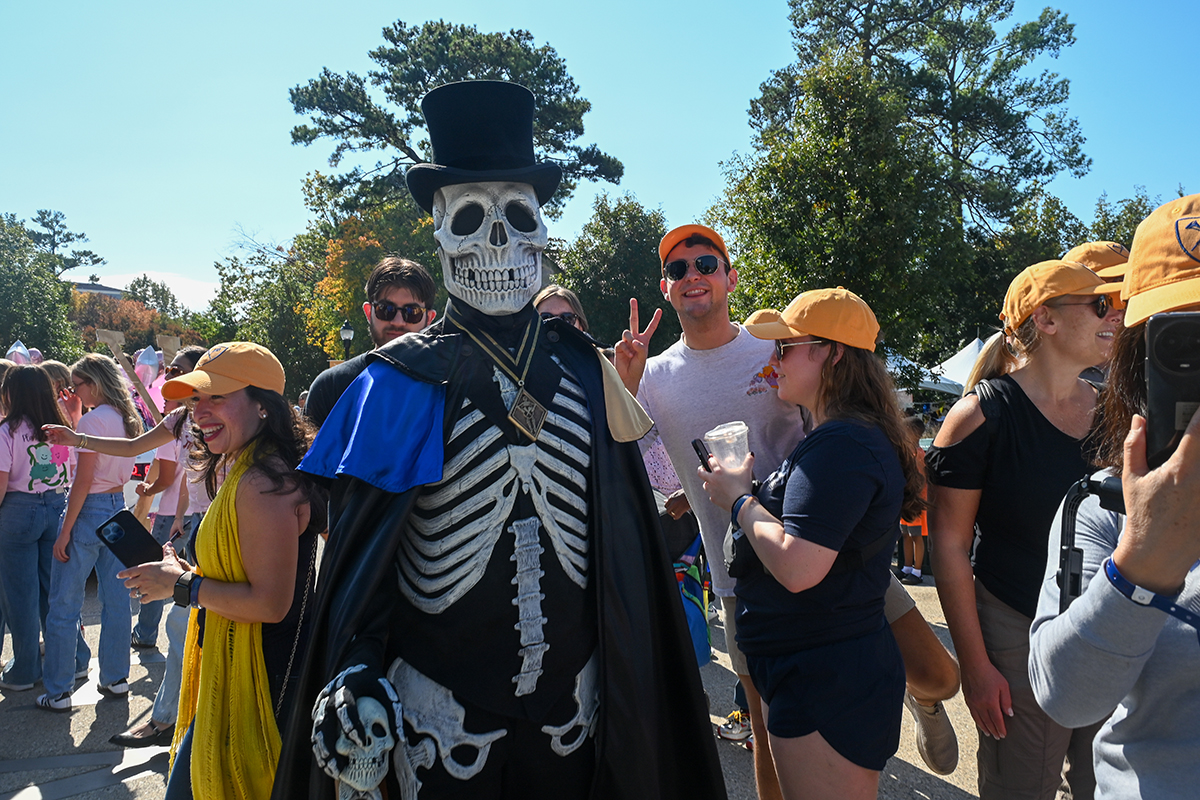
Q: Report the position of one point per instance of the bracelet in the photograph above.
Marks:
(1145, 597)
(737, 507)
(82, 440)
(195, 591)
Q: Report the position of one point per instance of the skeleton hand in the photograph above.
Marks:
(358, 715)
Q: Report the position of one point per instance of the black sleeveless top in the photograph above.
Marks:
(1024, 465)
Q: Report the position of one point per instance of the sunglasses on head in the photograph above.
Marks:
(780, 344)
(705, 265)
(568, 317)
(1102, 304)
(412, 313)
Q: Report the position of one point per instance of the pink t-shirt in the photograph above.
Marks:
(177, 450)
(112, 472)
(33, 467)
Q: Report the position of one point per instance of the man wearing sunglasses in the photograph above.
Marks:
(716, 373)
(400, 296)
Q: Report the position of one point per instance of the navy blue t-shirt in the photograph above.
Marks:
(841, 487)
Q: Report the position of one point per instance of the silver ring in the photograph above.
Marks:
(137, 594)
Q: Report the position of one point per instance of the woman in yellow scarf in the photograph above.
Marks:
(255, 566)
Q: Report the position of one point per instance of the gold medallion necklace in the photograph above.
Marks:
(526, 413)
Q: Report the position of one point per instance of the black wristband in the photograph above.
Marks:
(183, 589)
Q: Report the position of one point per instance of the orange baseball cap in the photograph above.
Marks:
(1046, 280)
(226, 368)
(1164, 267)
(835, 314)
(1106, 259)
(677, 235)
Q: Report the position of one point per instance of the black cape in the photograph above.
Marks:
(653, 736)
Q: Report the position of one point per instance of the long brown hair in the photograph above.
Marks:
(857, 386)
(1124, 394)
(104, 374)
(284, 439)
(193, 354)
(28, 395)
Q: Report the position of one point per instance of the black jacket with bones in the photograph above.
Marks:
(653, 737)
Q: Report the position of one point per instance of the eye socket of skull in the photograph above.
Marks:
(467, 220)
(520, 217)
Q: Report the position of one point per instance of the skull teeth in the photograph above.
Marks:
(501, 279)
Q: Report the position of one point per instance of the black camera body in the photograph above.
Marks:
(1172, 380)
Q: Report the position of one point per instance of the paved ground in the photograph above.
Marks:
(49, 756)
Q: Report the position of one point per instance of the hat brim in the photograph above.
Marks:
(767, 323)
(1161, 299)
(425, 179)
(1116, 271)
(200, 381)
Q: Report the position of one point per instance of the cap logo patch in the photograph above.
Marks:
(1187, 231)
(212, 355)
(1119, 249)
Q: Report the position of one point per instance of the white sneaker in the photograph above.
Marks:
(936, 740)
(118, 688)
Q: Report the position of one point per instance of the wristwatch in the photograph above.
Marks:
(183, 588)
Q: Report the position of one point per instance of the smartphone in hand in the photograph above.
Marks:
(702, 453)
(1172, 380)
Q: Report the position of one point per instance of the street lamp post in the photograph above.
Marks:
(347, 334)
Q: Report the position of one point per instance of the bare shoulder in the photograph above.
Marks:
(964, 418)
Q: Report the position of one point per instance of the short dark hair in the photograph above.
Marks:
(397, 271)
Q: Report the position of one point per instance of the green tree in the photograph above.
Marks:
(54, 237)
(846, 195)
(614, 258)
(34, 303)
(156, 295)
(380, 114)
(1116, 222)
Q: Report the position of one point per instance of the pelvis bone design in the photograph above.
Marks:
(431, 710)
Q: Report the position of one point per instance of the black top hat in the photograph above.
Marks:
(480, 131)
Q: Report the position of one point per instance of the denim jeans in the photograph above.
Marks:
(150, 614)
(179, 782)
(28, 528)
(67, 583)
(166, 702)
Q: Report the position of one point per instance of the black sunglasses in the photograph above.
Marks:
(705, 265)
(412, 313)
(1101, 303)
(568, 317)
(173, 370)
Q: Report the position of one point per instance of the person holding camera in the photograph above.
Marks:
(1000, 465)
(810, 612)
(1130, 641)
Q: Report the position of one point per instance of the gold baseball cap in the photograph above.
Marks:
(1046, 280)
(1164, 267)
(835, 314)
(226, 368)
(677, 235)
(1106, 259)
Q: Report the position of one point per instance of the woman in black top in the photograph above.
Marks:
(810, 619)
(1000, 466)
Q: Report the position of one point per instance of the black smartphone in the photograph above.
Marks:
(702, 453)
(1172, 380)
(129, 540)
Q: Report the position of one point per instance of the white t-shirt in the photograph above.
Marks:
(177, 451)
(33, 467)
(112, 472)
(689, 392)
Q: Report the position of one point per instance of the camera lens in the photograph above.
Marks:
(1177, 348)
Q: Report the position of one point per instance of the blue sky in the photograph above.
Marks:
(162, 130)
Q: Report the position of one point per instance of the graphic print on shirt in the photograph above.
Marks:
(766, 378)
(44, 467)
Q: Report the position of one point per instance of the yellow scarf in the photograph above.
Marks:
(235, 744)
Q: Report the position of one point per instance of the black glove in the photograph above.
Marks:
(351, 743)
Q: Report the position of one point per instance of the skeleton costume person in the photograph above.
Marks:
(496, 616)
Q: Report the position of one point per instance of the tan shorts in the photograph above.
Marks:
(896, 603)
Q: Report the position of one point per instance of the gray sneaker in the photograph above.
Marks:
(936, 741)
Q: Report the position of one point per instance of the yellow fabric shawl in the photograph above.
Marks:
(235, 744)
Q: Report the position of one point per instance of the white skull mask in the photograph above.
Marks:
(368, 759)
(490, 240)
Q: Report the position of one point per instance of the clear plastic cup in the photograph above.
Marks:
(730, 443)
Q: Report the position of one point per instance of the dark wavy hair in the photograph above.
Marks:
(192, 353)
(284, 439)
(859, 387)
(27, 394)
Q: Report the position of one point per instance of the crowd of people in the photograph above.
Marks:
(283, 674)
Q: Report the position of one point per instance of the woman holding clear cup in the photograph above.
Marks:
(809, 619)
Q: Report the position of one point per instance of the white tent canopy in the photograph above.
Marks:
(957, 367)
(929, 380)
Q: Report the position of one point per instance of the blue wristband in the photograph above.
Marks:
(1145, 597)
(737, 507)
(194, 597)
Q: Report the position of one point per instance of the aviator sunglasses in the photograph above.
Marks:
(1101, 303)
(568, 317)
(780, 344)
(705, 265)
(412, 313)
